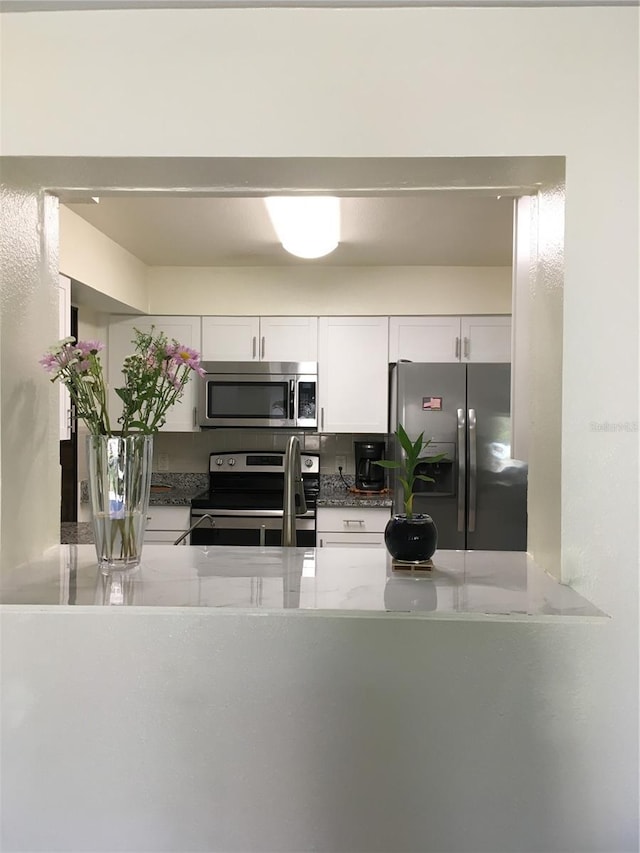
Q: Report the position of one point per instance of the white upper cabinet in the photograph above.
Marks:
(289, 338)
(450, 339)
(64, 330)
(186, 330)
(486, 339)
(230, 338)
(260, 338)
(353, 374)
(424, 338)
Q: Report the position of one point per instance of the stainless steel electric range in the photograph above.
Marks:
(245, 500)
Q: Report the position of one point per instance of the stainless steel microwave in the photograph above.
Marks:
(279, 395)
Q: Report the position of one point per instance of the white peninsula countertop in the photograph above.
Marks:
(345, 581)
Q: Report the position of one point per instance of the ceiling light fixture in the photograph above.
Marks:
(307, 226)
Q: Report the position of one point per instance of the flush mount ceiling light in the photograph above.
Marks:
(307, 226)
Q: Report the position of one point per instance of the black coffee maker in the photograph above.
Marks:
(369, 477)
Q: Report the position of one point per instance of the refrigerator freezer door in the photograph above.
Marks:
(497, 484)
(427, 398)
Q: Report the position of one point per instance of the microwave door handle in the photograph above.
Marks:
(292, 400)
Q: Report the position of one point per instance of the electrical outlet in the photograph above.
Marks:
(163, 461)
(341, 462)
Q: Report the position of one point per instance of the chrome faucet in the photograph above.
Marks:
(193, 527)
(294, 500)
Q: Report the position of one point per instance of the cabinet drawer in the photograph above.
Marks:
(168, 518)
(353, 519)
(164, 537)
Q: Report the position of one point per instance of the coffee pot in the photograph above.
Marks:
(369, 477)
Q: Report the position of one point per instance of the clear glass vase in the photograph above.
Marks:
(119, 486)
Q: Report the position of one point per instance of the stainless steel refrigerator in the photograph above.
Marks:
(479, 497)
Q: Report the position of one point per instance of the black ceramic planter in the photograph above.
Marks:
(411, 540)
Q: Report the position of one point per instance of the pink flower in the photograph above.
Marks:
(184, 355)
(88, 347)
(49, 362)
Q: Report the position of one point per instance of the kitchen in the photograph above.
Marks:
(507, 748)
(450, 252)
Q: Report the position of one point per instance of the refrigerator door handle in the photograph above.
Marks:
(462, 465)
(473, 469)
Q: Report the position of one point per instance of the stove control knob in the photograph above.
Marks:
(308, 462)
(232, 461)
(219, 461)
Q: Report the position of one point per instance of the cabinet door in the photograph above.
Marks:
(486, 339)
(353, 374)
(166, 523)
(230, 338)
(351, 540)
(424, 338)
(289, 338)
(64, 330)
(180, 417)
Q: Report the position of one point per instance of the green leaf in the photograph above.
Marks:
(437, 458)
(405, 441)
(386, 463)
(424, 478)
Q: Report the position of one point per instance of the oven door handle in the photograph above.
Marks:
(292, 399)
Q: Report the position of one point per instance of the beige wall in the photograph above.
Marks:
(329, 290)
(92, 258)
(381, 83)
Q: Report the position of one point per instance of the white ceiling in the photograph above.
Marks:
(438, 228)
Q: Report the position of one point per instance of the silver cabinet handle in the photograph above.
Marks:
(353, 521)
(467, 347)
(457, 347)
(262, 347)
(195, 416)
(253, 347)
(473, 469)
(322, 543)
(322, 417)
(462, 464)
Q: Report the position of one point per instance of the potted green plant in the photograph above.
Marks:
(411, 537)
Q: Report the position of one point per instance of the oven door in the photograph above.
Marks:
(258, 530)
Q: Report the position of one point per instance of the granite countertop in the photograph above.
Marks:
(334, 492)
(178, 490)
(350, 581)
(166, 489)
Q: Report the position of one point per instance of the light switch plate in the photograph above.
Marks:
(163, 461)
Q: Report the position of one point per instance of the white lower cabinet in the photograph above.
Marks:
(361, 527)
(166, 523)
